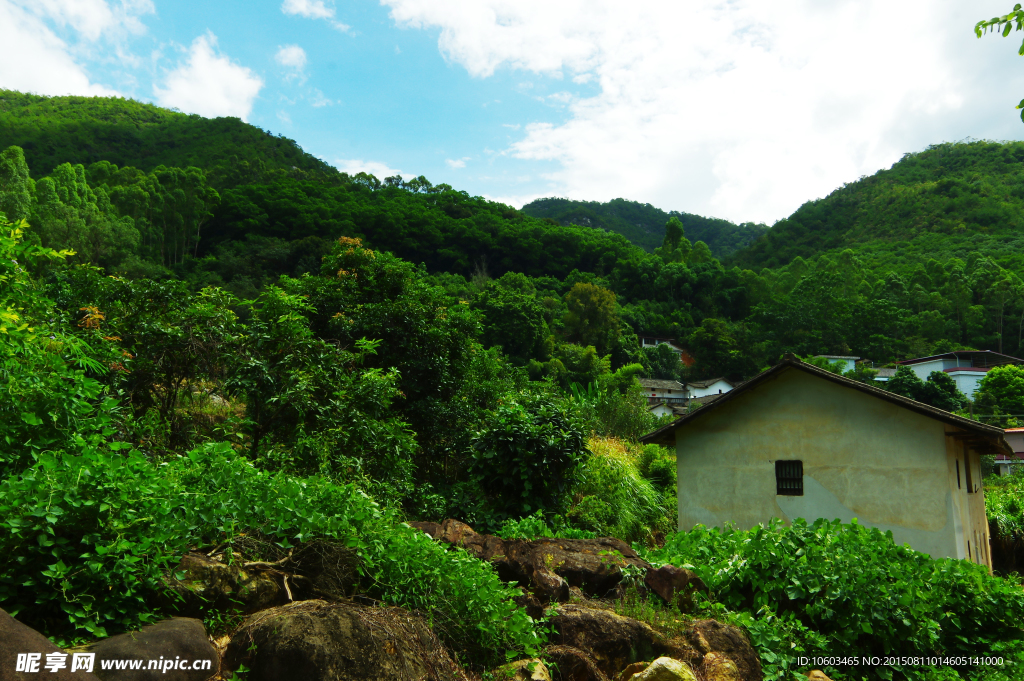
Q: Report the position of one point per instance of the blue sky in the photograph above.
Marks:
(741, 109)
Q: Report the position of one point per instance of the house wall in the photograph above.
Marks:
(863, 458)
(967, 382)
(923, 369)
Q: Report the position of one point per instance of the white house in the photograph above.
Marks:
(849, 363)
(658, 390)
(712, 386)
(655, 341)
(966, 367)
(1008, 463)
(797, 441)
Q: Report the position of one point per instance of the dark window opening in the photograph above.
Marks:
(958, 473)
(967, 472)
(789, 478)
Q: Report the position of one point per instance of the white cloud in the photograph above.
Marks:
(454, 163)
(313, 9)
(318, 99)
(48, 64)
(284, 117)
(742, 109)
(292, 57)
(375, 168)
(209, 83)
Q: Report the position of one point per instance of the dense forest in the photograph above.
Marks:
(644, 225)
(196, 309)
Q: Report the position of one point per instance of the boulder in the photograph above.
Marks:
(318, 640)
(718, 667)
(610, 640)
(200, 583)
(19, 639)
(523, 670)
(315, 569)
(635, 668)
(592, 565)
(175, 650)
(572, 664)
(711, 636)
(666, 669)
(548, 567)
(674, 585)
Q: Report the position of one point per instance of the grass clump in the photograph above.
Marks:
(623, 490)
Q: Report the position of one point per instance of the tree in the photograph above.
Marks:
(938, 391)
(1004, 25)
(1002, 389)
(16, 187)
(592, 317)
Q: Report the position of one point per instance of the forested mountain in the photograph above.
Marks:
(644, 225)
(917, 275)
(950, 200)
(55, 130)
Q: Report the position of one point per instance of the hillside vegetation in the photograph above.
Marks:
(644, 225)
(950, 200)
(55, 130)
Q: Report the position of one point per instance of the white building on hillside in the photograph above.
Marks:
(966, 367)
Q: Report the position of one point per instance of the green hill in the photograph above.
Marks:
(55, 130)
(644, 225)
(950, 200)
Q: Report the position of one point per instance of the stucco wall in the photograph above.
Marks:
(863, 458)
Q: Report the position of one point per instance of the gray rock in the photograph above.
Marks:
(18, 639)
(176, 649)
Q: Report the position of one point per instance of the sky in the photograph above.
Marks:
(739, 109)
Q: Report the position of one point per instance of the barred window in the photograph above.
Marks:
(789, 478)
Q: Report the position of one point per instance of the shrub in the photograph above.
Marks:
(848, 590)
(527, 455)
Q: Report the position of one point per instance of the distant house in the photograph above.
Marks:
(648, 341)
(797, 441)
(658, 390)
(884, 374)
(664, 409)
(849, 363)
(966, 367)
(1005, 463)
(711, 386)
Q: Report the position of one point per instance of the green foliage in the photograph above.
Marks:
(94, 531)
(527, 455)
(16, 187)
(612, 498)
(848, 590)
(125, 132)
(1001, 391)
(534, 526)
(938, 391)
(591, 318)
(644, 225)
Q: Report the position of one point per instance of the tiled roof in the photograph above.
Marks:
(707, 383)
(659, 383)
